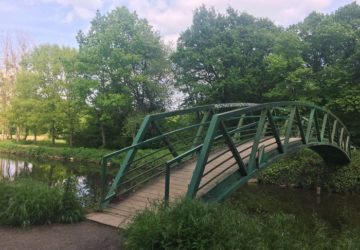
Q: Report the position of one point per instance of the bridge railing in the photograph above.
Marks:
(245, 140)
(163, 141)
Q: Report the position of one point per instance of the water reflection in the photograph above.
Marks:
(11, 169)
(337, 210)
(87, 177)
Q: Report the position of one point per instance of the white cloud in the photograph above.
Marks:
(7, 7)
(170, 17)
(78, 9)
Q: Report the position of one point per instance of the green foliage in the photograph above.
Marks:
(220, 57)
(125, 62)
(195, 225)
(49, 93)
(71, 210)
(307, 169)
(53, 152)
(26, 202)
(235, 57)
(301, 169)
(346, 178)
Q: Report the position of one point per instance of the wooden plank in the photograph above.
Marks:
(120, 214)
(106, 219)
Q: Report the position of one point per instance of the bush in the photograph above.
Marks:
(307, 169)
(301, 169)
(195, 225)
(27, 202)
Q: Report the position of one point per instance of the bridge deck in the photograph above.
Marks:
(120, 213)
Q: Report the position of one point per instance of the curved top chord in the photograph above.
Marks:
(227, 143)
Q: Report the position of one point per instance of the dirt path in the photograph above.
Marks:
(85, 235)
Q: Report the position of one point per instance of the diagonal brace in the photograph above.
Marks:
(233, 149)
(275, 131)
(301, 129)
(165, 139)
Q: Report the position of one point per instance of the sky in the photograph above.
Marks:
(58, 21)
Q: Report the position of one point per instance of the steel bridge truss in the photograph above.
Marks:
(235, 141)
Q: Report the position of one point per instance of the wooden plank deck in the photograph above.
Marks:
(121, 213)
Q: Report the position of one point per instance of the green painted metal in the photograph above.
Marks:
(260, 156)
(334, 131)
(275, 131)
(252, 133)
(165, 139)
(289, 127)
(233, 149)
(258, 135)
(323, 127)
(200, 130)
(317, 126)
(300, 126)
(204, 154)
(239, 125)
(309, 125)
(167, 184)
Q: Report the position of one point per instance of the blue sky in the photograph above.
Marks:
(58, 21)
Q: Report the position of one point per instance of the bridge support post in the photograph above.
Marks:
(201, 128)
(275, 132)
(254, 149)
(167, 184)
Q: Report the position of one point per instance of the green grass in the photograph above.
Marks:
(53, 152)
(195, 225)
(27, 202)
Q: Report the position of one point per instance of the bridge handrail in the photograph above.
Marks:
(151, 120)
(146, 142)
(277, 104)
(312, 133)
(282, 117)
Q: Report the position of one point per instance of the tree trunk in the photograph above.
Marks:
(53, 132)
(26, 134)
(103, 136)
(71, 134)
(71, 138)
(35, 135)
(17, 133)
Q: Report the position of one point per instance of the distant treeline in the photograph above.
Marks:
(97, 94)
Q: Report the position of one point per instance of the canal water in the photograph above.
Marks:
(336, 210)
(86, 176)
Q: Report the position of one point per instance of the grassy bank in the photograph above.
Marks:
(195, 225)
(56, 152)
(27, 202)
(306, 169)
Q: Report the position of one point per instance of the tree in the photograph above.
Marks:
(13, 50)
(287, 71)
(58, 96)
(126, 65)
(220, 57)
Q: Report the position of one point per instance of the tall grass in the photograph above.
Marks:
(195, 225)
(27, 202)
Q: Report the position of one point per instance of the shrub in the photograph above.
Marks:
(27, 202)
(195, 225)
(301, 169)
(307, 169)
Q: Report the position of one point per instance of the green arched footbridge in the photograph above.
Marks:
(210, 151)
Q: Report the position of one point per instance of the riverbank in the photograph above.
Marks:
(56, 152)
(254, 217)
